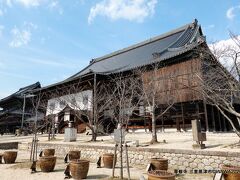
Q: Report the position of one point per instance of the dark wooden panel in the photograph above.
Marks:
(180, 81)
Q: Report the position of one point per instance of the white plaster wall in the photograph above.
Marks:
(68, 99)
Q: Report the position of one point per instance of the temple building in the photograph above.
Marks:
(178, 56)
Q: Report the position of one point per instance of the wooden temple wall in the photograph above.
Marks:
(180, 81)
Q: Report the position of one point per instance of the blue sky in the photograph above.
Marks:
(49, 40)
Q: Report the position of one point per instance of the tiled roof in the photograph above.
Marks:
(165, 46)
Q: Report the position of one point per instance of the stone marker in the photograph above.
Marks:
(117, 135)
(70, 134)
(198, 136)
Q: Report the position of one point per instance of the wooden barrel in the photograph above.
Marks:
(74, 155)
(230, 172)
(160, 175)
(108, 160)
(48, 152)
(47, 163)
(159, 163)
(79, 169)
(10, 157)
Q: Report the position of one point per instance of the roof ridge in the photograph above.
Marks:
(29, 86)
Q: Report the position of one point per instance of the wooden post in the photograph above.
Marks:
(126, 150)
(121, 154)
(183, 121)
(114, 159)
(144, 118)
(213, 119)
(94, 103)
(197, 108)
(205, 113)
(31, 154)
(162, 121)
(178, 124)
(219, 121)
(224, 124)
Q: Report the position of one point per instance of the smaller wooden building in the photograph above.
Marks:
(17, 108)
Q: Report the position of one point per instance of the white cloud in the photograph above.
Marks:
(26, 3)
(30, 3)
(9, 3)
(22, 36)
(47, 4)
(55, 5)
(132, 10)
(225, 51)
(231, 12)
(29, 25)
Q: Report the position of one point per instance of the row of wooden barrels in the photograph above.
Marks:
(79, 168)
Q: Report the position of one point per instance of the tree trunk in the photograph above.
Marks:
(154, 130)
(49, 133)
(94, 136)
(238, 121)
(229, 120)
(94, 133)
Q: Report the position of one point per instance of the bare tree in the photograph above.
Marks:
(126, 96)
(87, 104)
(219, 85)
(156, 94)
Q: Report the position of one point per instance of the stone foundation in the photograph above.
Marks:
(138, 156)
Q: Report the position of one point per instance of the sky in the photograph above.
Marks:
(50, 40)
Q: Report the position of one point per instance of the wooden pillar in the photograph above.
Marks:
(183, 121)
(94, 98)
(205, 113)
(224, 124)
(197, 108)
(213, 119)
(178, 124)
(219, 121)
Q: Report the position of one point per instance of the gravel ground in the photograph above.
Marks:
(176, 140)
